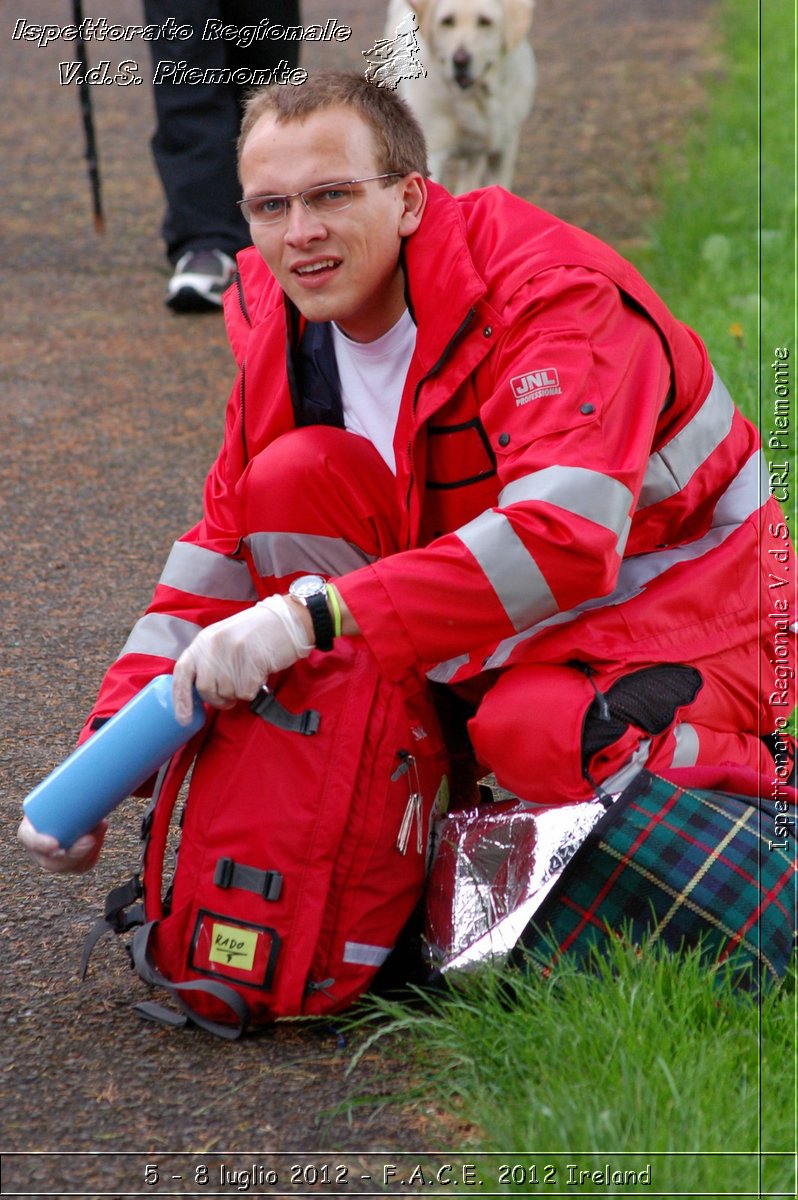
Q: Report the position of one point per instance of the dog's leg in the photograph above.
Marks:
(437, 160)
(501, 164)
(471, 173)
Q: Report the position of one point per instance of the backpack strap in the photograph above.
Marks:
(229, 873)
(115, 916)
(157, 823)
(142, 961)
(118, 915)
(268, 707)
(158, 819)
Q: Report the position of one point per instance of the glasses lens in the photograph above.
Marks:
(262, 210)
(328, 198)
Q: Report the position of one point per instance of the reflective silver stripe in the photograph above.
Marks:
(623, 537)
(672, 467)
(204, 572)
(510, 569)
(364, 955)
(446, 671)
(284, 553)
(160, 634)
(589, 494)
(687, 746)
(742, 498)
(621, 779)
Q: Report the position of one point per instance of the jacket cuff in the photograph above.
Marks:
(380, 624)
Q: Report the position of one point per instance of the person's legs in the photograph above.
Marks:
(268, 52)
(549, 732)
(322, 500)
(317, 499)
(194, 144)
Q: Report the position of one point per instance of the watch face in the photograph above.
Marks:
(307, 585)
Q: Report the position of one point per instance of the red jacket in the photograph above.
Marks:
(577, 481)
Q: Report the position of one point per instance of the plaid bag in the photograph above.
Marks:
(682, 868)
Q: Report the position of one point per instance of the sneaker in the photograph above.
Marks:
(199, 281)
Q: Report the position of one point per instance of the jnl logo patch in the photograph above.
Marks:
(535, 384)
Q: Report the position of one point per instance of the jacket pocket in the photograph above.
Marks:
(458, 455)
(461, 476)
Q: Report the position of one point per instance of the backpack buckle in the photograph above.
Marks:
(223, 875)
(229, 873)
(272, 885)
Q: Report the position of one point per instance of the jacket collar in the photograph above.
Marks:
(442, 282)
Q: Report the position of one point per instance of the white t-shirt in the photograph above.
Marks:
(372, 377)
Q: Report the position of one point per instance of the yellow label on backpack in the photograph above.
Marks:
(232, 946)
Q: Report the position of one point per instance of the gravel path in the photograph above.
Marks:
(111, 413)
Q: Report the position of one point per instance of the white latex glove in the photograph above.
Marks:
(50, 856)
(230, 660)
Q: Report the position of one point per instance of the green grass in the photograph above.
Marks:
(723, 252)
(649, 1056)
(644, 1057)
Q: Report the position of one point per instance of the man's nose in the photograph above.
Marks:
(302, 224)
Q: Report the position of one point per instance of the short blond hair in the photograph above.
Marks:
(398, 137)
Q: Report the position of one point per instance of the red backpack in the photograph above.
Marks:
(302, 853)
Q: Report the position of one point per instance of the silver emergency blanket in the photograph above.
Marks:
(492, 868)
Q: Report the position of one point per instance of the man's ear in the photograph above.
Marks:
(414, 198)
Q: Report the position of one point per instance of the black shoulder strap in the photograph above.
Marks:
(122, 912)
(143, 963)
(268, 708)
(118, 916)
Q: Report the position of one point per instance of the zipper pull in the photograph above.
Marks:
(413, 812)
(419, 832)
(403, 768)
(414, 809)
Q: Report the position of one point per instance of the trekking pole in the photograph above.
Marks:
(88, 121)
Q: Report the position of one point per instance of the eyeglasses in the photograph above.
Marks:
(323, 199)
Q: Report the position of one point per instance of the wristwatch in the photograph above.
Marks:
(311, 590)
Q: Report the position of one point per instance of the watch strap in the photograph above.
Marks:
(321, 617)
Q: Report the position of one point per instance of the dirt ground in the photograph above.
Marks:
(111, 413)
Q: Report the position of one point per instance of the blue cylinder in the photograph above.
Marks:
(111, 764)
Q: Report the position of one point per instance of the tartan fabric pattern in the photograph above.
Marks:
(683, 868)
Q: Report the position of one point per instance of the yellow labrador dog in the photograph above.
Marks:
(479, 85)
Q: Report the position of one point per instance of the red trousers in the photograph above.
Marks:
(322, 500)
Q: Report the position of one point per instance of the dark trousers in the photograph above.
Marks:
(194, 144)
